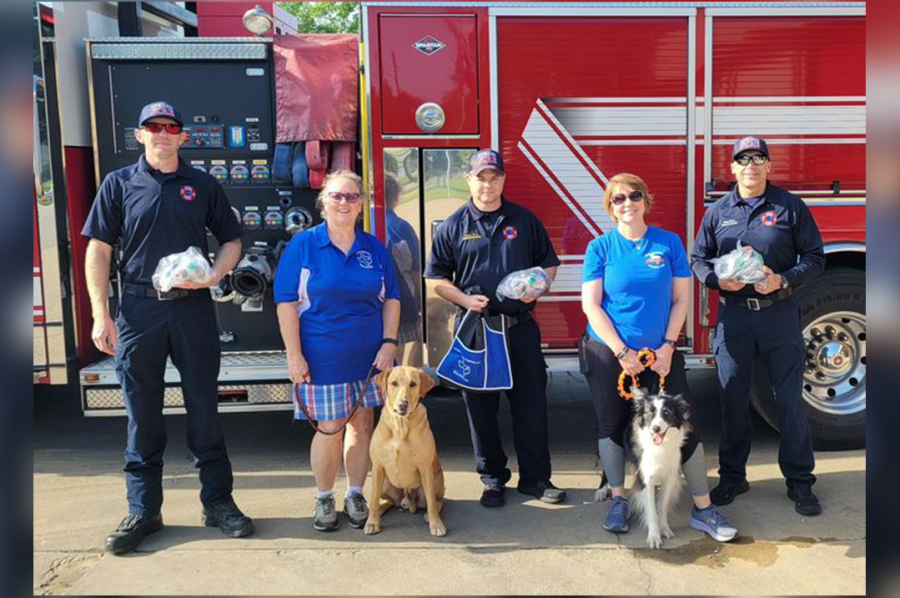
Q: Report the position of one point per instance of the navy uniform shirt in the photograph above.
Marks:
(780, 227)
(157, 214)
(475, 250)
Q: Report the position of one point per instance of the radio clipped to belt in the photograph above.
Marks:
(478, 358)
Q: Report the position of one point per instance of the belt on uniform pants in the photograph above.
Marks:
(518, 319)
(755, 303)
(150, 292)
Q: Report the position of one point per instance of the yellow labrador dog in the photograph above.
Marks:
(406, 471)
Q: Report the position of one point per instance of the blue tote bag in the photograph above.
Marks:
(478, 358)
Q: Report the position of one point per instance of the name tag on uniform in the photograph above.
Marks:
(471, 236)
(728, 222)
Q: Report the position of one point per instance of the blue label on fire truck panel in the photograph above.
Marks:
(236, 136)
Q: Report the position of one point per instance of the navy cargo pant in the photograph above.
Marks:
(528, 404)
(151, 330)
(770, 338)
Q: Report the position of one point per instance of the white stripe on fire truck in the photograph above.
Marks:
(551, 149)
(583, 218)
(655, 122)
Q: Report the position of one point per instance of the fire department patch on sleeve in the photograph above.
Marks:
(769, 218)
(510, 232)
(188, 193)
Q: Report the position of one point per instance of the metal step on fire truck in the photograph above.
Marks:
(571, 93)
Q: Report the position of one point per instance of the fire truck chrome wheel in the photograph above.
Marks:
(835, 370)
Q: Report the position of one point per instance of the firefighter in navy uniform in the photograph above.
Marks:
(471, 252)
(761, 322)
(157, 207)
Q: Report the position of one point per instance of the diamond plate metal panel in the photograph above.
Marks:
(178, 51)
(257, 394)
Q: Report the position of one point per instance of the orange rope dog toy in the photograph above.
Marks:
(647, 357)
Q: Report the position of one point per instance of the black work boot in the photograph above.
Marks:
(226, 516)
(724, 493)
(805, 502)
(131, 531)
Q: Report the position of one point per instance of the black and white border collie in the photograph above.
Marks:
(659, 427)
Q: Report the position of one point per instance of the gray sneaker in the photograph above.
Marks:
(325, 519)
(356, 509)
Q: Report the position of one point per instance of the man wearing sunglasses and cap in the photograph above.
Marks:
(472, 251)
(761, 322)
(154, 208)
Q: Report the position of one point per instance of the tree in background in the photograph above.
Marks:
(324, 17)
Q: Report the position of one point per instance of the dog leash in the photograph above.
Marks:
(359, 399)
(647, 358)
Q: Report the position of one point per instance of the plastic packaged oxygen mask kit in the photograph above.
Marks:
(530, 283)
(188, 266)
(744, 264)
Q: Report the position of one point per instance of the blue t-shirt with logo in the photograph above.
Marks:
(637, 283)
(340, 299)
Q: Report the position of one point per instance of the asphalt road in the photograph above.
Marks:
(526, 547)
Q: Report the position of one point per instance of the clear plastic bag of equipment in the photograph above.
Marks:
(744, 264)
(522, 284)
(188, 266)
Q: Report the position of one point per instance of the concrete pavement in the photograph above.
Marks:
(526, 547)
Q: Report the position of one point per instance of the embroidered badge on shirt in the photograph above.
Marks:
(510, 233)
(365, 260)
(769, 218)
(188, 193)
(656, 260)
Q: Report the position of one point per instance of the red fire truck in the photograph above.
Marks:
(571, 94)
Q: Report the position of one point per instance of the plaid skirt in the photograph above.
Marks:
(328, 402)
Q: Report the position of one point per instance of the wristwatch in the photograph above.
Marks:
(671, 343)
(785, 283)
(623, 352)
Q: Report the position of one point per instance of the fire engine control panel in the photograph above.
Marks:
(226, 96)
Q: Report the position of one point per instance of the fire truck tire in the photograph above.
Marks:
(833, 317)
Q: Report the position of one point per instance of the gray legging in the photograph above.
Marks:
(614, 414)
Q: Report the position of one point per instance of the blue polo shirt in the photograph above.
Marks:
(637, 283)
(340, 299)
(778, 225)
(475, 250)
(156, 214)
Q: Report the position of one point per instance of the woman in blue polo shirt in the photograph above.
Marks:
(338, 311)
(635, 293)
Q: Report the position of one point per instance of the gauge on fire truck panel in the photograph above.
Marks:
(219, 172)
(252, 220)
(260, 173)
(274, 219)
(240, 174)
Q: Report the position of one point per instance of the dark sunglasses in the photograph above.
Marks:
(337, 197)
(757, 159)
(619, 198)
(171, 128)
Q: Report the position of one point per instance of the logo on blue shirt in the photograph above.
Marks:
(656, 260)
(365, 260)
